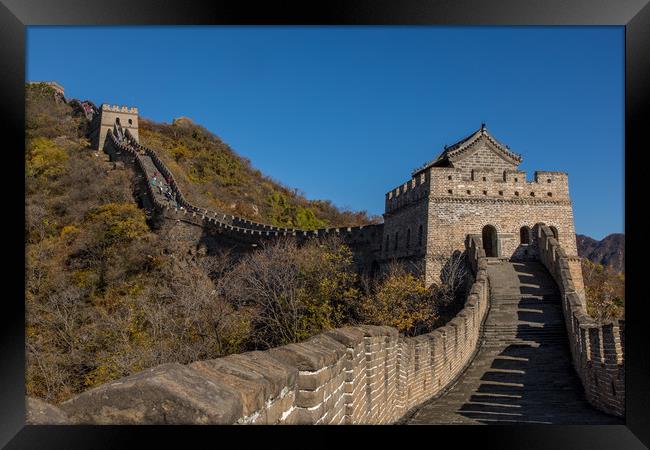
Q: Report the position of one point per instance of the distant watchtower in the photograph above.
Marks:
(109, 116)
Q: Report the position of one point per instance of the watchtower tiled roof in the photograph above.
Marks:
(463, 148)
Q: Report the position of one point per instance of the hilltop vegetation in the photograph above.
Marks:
(604, 290)
(603, 272)
(107, 297)
(213, 176)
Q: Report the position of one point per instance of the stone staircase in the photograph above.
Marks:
(523, 371)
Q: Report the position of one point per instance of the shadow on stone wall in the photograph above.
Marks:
(533, 380)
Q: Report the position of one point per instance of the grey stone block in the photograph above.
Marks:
(166, 394)
(252, 388)
(301, 356)
(375, 330)
(332, 347)
(348, 336)
(40, 412)
(279, 374)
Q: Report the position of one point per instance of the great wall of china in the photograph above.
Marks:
(487, 364)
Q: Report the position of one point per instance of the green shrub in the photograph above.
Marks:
(400, 300)
(117, 222)
(202, 163)
(604, 291)
(45, 159)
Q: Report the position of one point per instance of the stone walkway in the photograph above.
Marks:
(523, 372)
(150, 169)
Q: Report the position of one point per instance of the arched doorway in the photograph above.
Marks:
(490, 243)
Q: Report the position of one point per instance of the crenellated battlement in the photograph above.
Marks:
(433, 210)
(597, 348)
(110, 117)
(410, 192)
(481, 184)
(506, 185)
(122, 109)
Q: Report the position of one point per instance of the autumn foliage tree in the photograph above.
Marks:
(401, 300)
(106, 296)
(296, 291)
(604, 290)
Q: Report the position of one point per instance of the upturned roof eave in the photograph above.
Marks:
(455, 152)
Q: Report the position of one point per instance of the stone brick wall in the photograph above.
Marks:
(353, 375)
(484, 157)
(597, 348)
(451, 220)
(453, 202)
(506, 185)
(370, 374)
(364, 241)
(105, 121)
(401, 233)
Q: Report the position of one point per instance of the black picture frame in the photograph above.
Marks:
(15, 15)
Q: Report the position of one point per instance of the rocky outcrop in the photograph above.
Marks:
(610, 251)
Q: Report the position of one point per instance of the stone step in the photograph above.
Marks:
(523, 371)
(516, 332)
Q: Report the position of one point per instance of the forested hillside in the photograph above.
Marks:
(213, 176)
(106, 296)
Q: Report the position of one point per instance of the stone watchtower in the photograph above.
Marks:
(475, 187)
(108, 117)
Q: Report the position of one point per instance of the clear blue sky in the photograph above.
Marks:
(345, 113)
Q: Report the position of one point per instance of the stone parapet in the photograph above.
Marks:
(597, 348)
(367, 234)
(353, 375)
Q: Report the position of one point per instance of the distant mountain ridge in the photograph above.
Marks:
(610, 251)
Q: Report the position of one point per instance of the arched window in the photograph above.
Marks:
(130, 121)
(524, 235)
(396, 237)
(420, 236)
(408, 238)
(554, 230)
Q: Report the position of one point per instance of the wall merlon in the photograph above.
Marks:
(117, 108)
(408, 192)
(596, 347)
(507, 185)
